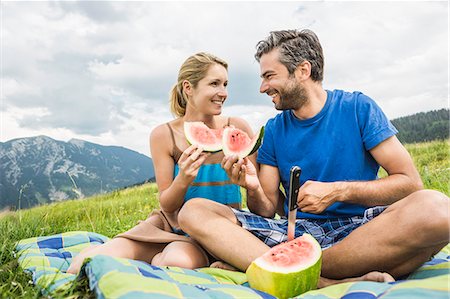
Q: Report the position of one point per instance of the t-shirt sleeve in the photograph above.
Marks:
(375, 127)
(266, 153)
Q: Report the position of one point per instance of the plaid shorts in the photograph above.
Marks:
(326, 231)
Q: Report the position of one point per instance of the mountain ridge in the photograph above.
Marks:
(41, 169)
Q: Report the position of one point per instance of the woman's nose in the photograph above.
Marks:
(223, 92)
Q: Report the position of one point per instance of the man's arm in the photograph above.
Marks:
(402, 180)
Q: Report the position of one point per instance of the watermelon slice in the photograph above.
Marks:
(237, 142)
(200, 134)
(288, 269)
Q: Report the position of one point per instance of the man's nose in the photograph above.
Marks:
(264, 86)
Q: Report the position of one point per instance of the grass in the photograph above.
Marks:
(115, 212)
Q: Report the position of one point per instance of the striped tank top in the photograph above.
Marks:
(212, 182)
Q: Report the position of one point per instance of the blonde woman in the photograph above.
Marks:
(182, 171)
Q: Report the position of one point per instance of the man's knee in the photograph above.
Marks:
(431, 205)
(192, 212)
(427, 212)
(437, 207)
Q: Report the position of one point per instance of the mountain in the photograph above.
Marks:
(423, 126)
(39, 170)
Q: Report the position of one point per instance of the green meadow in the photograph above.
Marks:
(115, 212)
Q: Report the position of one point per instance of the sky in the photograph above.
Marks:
(102, 71)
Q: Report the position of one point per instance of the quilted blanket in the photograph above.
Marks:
(47, 258)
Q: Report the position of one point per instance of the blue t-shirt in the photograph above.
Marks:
(331, 146)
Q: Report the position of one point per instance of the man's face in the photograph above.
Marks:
(285, 90)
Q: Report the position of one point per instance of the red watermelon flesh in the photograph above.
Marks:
(200, 134)
(237, 142)
(288, 256)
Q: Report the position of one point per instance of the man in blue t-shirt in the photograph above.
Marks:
(339, 139)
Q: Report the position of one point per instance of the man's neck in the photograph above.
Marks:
(317, 98)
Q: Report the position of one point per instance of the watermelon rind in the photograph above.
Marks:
(250, 149)
(283, 284)
(217, 147)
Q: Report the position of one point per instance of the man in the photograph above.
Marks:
(339, 139)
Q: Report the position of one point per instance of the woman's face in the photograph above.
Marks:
(210, 94)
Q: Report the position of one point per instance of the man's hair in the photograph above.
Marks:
(295, 47)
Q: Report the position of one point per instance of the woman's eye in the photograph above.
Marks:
(214, 83)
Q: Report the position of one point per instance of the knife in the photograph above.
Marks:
(294, 185)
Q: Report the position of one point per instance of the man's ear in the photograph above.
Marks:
(187, 87)
(303, 70)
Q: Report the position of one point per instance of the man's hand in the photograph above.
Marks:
(315, 197)
(241, 172)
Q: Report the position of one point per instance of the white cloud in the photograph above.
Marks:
(101, 71)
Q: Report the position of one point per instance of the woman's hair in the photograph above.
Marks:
(193, 70)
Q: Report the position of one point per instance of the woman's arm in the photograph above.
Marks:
(172, 191)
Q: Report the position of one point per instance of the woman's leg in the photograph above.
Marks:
(181, 254)
(120, 247)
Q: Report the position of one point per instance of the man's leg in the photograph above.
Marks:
(397, 241)
(216, 228)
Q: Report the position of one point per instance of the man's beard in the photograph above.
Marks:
(292, 96)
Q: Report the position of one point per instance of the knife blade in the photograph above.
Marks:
(294, 185)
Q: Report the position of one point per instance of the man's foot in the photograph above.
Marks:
(371, 276)
(223, 265)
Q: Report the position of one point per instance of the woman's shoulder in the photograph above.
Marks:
(163, 131)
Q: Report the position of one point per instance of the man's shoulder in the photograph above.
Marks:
(348, 96)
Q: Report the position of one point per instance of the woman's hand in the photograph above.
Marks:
(241, 172)
(189, 163)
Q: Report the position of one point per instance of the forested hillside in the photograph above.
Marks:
(423, 126)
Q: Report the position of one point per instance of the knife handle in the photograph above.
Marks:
(294, 185)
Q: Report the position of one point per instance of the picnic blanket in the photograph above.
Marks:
(47, 258)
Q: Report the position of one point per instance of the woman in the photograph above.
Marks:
(182, 171)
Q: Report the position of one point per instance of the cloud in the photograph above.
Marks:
(101, 70)
(108, 12)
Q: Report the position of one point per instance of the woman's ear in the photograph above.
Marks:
(187, 87)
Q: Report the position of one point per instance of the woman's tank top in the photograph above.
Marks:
(212, 182)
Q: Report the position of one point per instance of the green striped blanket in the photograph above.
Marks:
(47, 258)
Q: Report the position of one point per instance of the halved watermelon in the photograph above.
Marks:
(288, 269)
(200, 134)
(237, 142)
